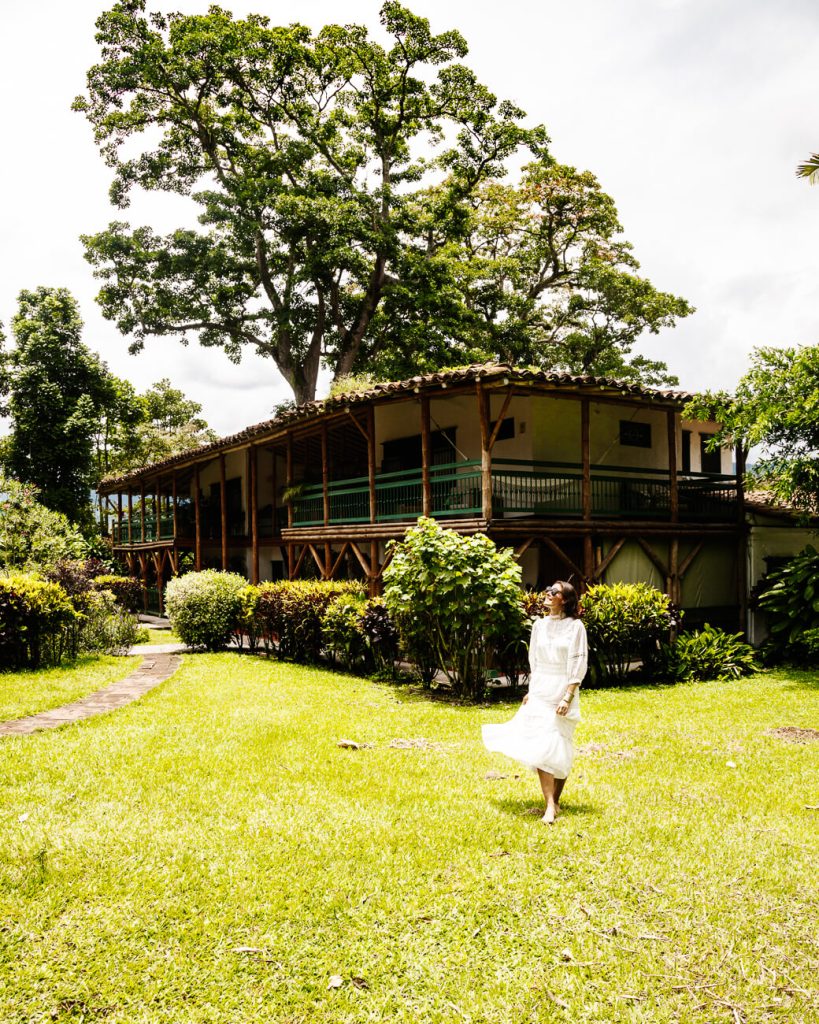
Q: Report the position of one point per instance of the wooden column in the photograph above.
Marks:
(274, 481)
(325, 475)
(142, 513)
(174, 498)
(288, 471)
(486, 454)
(371, 462)
(586, 488)
(223, 511)
(130, 516)
(119, 517)
(197, 520)
(673, 482)
(742, 541)
(374, 581)
(157, 512)
(426, 457)
(254, 515)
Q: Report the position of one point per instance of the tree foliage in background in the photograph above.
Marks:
(775, 409)
(349, 204)
(53, 388)
(31, 535)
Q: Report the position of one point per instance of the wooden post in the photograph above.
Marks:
(130, 516)
(325, 475)
(674, 570)
(157, 512)
(371, 462)
(673, 483)
(142, 513)
(274, 480)
(254, 516)
(119, 517)
(374, 582)
(586, 488)
(486, 454)
(742, 543)
(288, 476)
(174, 497)
(426, 486)
(197, 520)
(223, 511)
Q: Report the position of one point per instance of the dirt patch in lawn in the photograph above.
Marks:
(792, 734)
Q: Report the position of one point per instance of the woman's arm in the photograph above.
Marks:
(576, 667)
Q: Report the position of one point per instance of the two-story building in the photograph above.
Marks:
(587, 478)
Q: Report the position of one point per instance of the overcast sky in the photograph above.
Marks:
(692, 113)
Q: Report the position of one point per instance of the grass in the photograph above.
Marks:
(161, 636)
(26, 693)
(210, 854)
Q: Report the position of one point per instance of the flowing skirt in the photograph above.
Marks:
(537, 736)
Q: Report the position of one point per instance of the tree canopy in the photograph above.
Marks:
(776, 409)
(350, 204)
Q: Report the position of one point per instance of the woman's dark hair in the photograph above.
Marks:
(570, 609)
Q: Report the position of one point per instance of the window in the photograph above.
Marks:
(710, 462)
(405, 452)
(635, 435)
(507, 429)
(686, 451)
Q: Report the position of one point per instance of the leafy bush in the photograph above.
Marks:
(126, 589)
(31, 535)
(512, 645)
(204, 607)
(382, 638)
(289, 614)
(105, 627)
(36, 617)
(711, 653)
(625, 622)
(789, 596)
(246, 629)
(75, 575)
(341, 631)
(462, 593)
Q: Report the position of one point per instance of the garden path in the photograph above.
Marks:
(156, 667)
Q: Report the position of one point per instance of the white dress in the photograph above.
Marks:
(537, 736)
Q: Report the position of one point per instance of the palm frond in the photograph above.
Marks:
(809, 169)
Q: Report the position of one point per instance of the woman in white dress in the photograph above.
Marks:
(541, 733)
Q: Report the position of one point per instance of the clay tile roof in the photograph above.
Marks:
(430, 381)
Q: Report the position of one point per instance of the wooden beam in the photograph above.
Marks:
(486, 453)
(142, 514)
(374, 584)
(174, 501)
(426, 458)
(254, 514)
(337, 562)
(130, 517)
(274, 483)
(519, 550)
(361, 430)
(317, 559)
(673, 482)
(613, 551)
(561, 554)
(362, 561)
(370, 435)
(295, 570)
(197, 520)
(655, 559)
(119, 517)
(498, 423)
(688, 561)
(384, 564)
(223, 512)
(288, 477)
(157, 513)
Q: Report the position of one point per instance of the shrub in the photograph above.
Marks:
(789, 596)
(31, 535)
(75, 575)
(246, 629)
(462, 593)
(105, 627)
(36, 617)
(126, 589)
(203, 607)
(382, 638)
(341, 631)
(625, 622)
(289, 615)
(711, 653)
(512, 645)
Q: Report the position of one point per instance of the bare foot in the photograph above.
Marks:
(550, 815)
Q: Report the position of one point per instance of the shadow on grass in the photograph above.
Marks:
(799, 679)
(527, 808)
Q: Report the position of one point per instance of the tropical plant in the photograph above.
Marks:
(247, 627)
(625, 623)
(809, 169)
(290, 614)
(789, 597)
(711, 653)
(512, 645)
(203, 607)
(462, 590)
(382, 637)
(342, 634)
(126, 589)
(33, 537)
(105, 627)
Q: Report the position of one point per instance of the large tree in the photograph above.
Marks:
(774, 410)
(348, 200)
(53, 388)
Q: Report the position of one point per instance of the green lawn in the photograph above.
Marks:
(26, 693)
(161, 636)
(211, 854)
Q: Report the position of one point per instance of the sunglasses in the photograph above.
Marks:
(554, 591)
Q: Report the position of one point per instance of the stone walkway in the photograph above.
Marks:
(156, 667)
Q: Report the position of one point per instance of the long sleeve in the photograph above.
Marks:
(533, 645)
(578, 653)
